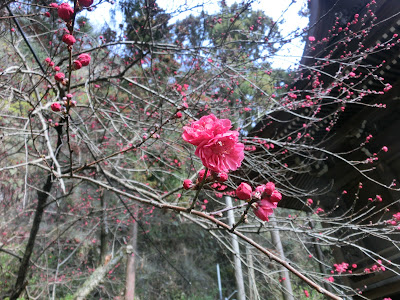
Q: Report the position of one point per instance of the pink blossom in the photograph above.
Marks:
(77, 64)
(59, 76)
(178, 115)
(310, 201)
(306, 293)
(65, 11)
(330, 279)
(243, 191)
(276, 196)
(269, 188)
(222, 177)
(205, 129)
(201, 174)
(311, 38)
(55, 5)
(385, 149)
(55, 106)
(221, 153)
(84, 58)
(187, 184)
(264, 209)
(85, 3)
(341, 268)
(68, 39)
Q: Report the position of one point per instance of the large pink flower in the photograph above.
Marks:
(205, 129)
(221, 153)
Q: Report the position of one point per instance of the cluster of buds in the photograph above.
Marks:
(211, 176)
(265, 198)
(67, 102)
(82, 61)
(60, 77)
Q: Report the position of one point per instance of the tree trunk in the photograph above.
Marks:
(98, 276)
(131, 267)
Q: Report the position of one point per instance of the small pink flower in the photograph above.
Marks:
(55, 5)
(48, 60)
(47, 14)
(59, 77)
(178, 115)
(68, 39)
(65, 11)
(56, 106)
(84, 59)
(85, 3)
(276, 196)
(306, 293)
(330, 279)
(205, 129)
(221, 153)
(187, 184)
(385, 149)
(77, 64)
(310, 201)
(311, 38)
(243, 191)
(264, 209)
(269, 188)
(222, 177)
(201, 174)
(352, 74)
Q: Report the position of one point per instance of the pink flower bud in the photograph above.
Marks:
(201, 174)
(47, 14)
(85, 3)
(59, 77)
(269, 188)
(243, 191)
(68, 39)
(179, 114)
(276, 196)
(55, 106)
(310, 201)
(55, 5)
(77, 64)
(65, 11)
(222, 177)
(385, 149)
(48, 60)
(187, 184)
(311, 38)
(84, 59)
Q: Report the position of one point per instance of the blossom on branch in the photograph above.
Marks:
(221, 153)
(243, 191)
(65, 11)
(205, 129)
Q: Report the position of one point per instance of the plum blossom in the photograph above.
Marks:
(243, 191)
(85, 3)
(264, 208)
(205, 129)
(65, 11)
(68, 39)
(187, 184)
(56, 106)
(221, 153)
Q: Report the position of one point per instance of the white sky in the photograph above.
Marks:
(277, 9)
